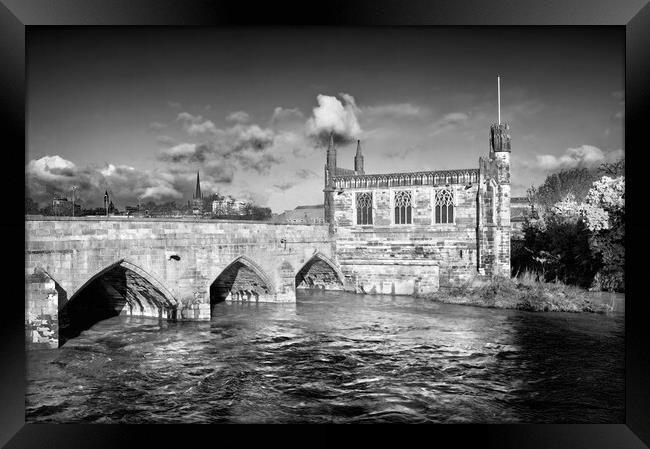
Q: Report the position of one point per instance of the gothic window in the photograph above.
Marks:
(403, 206)
(444, 206)
(364, 208)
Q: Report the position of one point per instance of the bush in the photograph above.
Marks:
(578, 243)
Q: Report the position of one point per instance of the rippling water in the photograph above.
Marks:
(337, 357)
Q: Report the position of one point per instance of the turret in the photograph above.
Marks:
(330, 171)
(500, 150)
(358, 160)
(331, 155)
(494, 201)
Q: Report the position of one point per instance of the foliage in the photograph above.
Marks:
(556, 187)
(578, 242)
(604, 215)
(525, 292)
(31, 207)
(557, 246)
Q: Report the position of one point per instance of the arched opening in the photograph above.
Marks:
(120, 289)
(241, 280)
(319, 273)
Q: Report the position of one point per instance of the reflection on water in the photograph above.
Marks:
(337, 357)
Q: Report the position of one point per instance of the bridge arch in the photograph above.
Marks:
(320, 272)
(121, 288)
(241, 279)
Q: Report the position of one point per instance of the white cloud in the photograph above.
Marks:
(51, 168)
(194, 124)
(582, 156)
(239, 117)
(160, 192)
(281, 113)
(334, 115)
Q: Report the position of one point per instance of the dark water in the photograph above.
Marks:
(337, 357)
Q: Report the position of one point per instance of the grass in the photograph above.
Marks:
(525, 292)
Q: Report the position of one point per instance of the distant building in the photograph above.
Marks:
(228, 206)
(61, 205)
(303, 215)
(134, 211)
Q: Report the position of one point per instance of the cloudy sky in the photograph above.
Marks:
(139, 111)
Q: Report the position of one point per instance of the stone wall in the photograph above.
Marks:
(407, 259)
(181, 258)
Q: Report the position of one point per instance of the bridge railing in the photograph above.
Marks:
(122, 219)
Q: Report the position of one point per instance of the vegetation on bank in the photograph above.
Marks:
(575, 231)
(526, 292)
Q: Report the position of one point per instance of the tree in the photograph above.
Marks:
(556, 186)
(260, 213)
(579, 242)
(604, 214)
(613, 168)
(31, 207)
(556, 245)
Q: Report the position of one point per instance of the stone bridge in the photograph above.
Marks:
(79, 271)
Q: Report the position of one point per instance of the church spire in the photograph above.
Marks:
(197, 193)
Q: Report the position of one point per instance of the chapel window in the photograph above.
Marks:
(364, 208)
(444, 206)
(403, 207)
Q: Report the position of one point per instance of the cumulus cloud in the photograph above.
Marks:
(51, 175)
(280, 113)
(334, 115)
(238, 117)
(582, 156)
(52, 168)
(194, 124)
(240, 146)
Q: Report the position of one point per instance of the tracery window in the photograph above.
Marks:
(364, 208)
(403, 206)
(444, 206)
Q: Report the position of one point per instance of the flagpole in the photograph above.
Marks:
(499, 96)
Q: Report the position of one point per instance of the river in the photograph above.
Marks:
(337, 357)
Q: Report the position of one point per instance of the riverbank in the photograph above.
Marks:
(523, 293)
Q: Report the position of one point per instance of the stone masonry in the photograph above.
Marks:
(184, 262)
(395, 233)
(411, 233)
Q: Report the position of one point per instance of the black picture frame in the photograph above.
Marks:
(16, 16)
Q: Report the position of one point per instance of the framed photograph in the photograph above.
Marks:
(376, 214)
